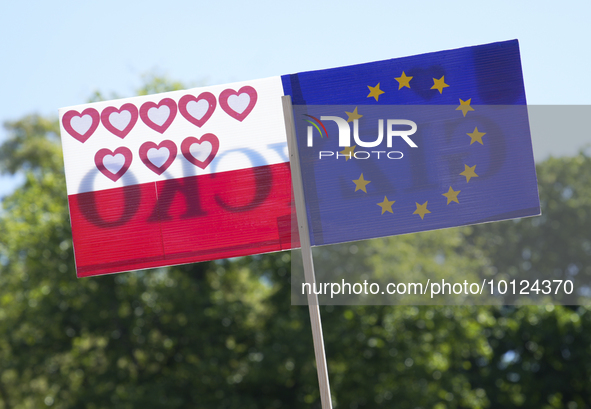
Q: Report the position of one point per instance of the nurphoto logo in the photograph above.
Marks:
(394, 128)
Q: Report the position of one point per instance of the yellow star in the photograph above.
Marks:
(439, 84)
(465, 106)
(469, 172)
(476, 136)
(421, 210)
(348, 152)
(452, 196)
(403, 81)
(353, 115)
(375, 91)
(361, 183)
(386, 205)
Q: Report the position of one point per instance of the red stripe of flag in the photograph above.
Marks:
(226, 214)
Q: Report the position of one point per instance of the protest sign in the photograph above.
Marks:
(413, 144)
(179, 177)
(389, 147)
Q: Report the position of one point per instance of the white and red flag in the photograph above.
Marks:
(178, 177)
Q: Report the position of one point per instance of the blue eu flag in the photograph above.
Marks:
(413, 144)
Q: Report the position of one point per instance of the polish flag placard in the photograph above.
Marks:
(178, 177)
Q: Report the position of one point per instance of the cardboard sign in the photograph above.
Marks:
(389, 147)
(413, 144)
(178, 177)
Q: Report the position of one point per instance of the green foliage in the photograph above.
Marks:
(33, 146)
(541, 358)
(224, 335)
(555, 245)
(154, 84)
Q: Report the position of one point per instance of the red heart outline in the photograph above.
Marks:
(149, 105)
(100, 156)
(107, 123)
(67, 119)
(207, 96)
(229, 92)
(208, 137)
(168, 144)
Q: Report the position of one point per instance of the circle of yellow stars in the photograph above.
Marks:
(404, 81)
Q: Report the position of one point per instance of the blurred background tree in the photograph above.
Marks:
(224, 335)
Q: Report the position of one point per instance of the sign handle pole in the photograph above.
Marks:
(303, 229)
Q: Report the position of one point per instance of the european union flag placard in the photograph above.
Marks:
(413, 144)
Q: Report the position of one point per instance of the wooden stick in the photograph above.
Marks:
(303, 229)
